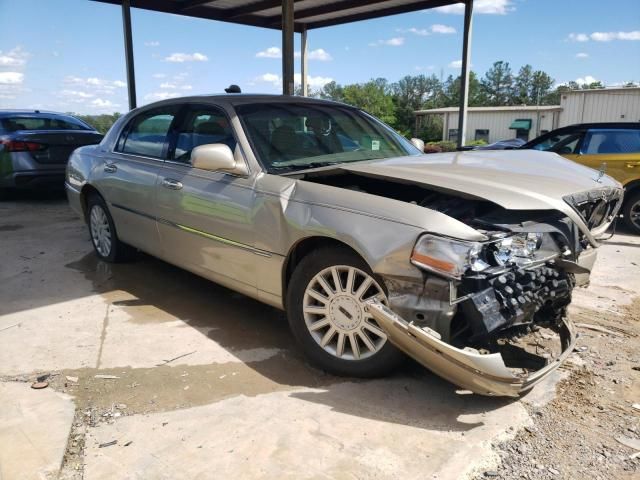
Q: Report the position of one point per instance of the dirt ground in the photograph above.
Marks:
(169, 365)
(575, 435)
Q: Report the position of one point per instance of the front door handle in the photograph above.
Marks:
(110, 168)
(171, 184)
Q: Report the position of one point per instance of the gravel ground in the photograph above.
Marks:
(579, 434)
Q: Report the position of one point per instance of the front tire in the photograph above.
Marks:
(631, 212)
(325, 308)
(103, 232)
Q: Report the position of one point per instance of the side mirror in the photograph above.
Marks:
(213, 157)
(419, 144)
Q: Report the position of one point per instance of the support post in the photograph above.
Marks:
(303, 62)
(128, 52)
(287, 47)
(464, 75)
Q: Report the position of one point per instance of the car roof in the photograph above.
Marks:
(614, 125)
(9, 112)
(240, 99)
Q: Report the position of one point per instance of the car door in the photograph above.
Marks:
(204, 217)
(130, 175)
(618, 148)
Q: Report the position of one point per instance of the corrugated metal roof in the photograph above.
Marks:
(267, 13)
(510, 108)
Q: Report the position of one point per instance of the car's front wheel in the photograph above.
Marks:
(326, 311)
(103, 232)
(631, 212)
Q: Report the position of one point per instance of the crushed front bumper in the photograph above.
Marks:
(482, 374)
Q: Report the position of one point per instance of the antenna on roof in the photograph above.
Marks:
(233, 89)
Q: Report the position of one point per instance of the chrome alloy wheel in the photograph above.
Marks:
(100, 230)
(634, 214)
(334, 312)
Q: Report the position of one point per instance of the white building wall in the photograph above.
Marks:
(620, 105)
(498, 123)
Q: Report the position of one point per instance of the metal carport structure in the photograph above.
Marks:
(291, 16)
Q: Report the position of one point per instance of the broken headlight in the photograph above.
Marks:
(520, 248)
(447, 256)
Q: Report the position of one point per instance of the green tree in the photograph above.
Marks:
(523, 86)
(413, 93)
(541, 86)
(497, 84)
(451, 92)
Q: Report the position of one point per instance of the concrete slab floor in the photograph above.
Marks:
(211, 382)
(34, 426)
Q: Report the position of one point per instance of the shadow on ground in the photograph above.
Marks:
(412, 396)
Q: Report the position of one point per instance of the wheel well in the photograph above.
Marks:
(303, 248)
(85, 193)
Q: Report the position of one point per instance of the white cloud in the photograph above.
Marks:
(319, 54)
(604, 36)
(276, 80)
(578, 37)
(392, 42)
(13, 58)
(423, 32)
(159, 75)
(313, 82)
(271, 52)
(119, 84)
(445, 29)
(11, 78)
(152, 44)
(76, 94)
(587, 80)
(488, 7)
(272, 78)
(186, 87)
(155, 96)
(582, 55)
(186, 57)
(100, 103)
(455, 64)
(609, 36)
(168, 85)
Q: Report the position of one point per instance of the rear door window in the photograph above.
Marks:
(146, 134)
(611, 141)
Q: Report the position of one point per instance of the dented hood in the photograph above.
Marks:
(515, 180)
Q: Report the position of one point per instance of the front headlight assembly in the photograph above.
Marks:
(448, 257)
(452, 258)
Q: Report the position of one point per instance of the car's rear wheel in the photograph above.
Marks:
(631, 212)
(103, 232)
(326, 311)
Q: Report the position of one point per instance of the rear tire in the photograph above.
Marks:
(631, 212)
(333, 329)
(103, 232)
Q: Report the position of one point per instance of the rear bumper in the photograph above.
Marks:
(34, 179)
(482, 374)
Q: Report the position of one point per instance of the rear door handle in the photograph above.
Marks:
(110, 168)
(633, 164)
(171, 184)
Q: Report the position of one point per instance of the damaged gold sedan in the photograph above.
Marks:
(464, 261)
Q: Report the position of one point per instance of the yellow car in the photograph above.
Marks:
(612, 148)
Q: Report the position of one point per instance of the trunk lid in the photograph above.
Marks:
(58, 144)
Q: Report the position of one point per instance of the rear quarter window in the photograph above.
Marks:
(146, 134)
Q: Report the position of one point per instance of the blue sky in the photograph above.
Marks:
(68, 55)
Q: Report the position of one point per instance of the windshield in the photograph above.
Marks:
(294, 136)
